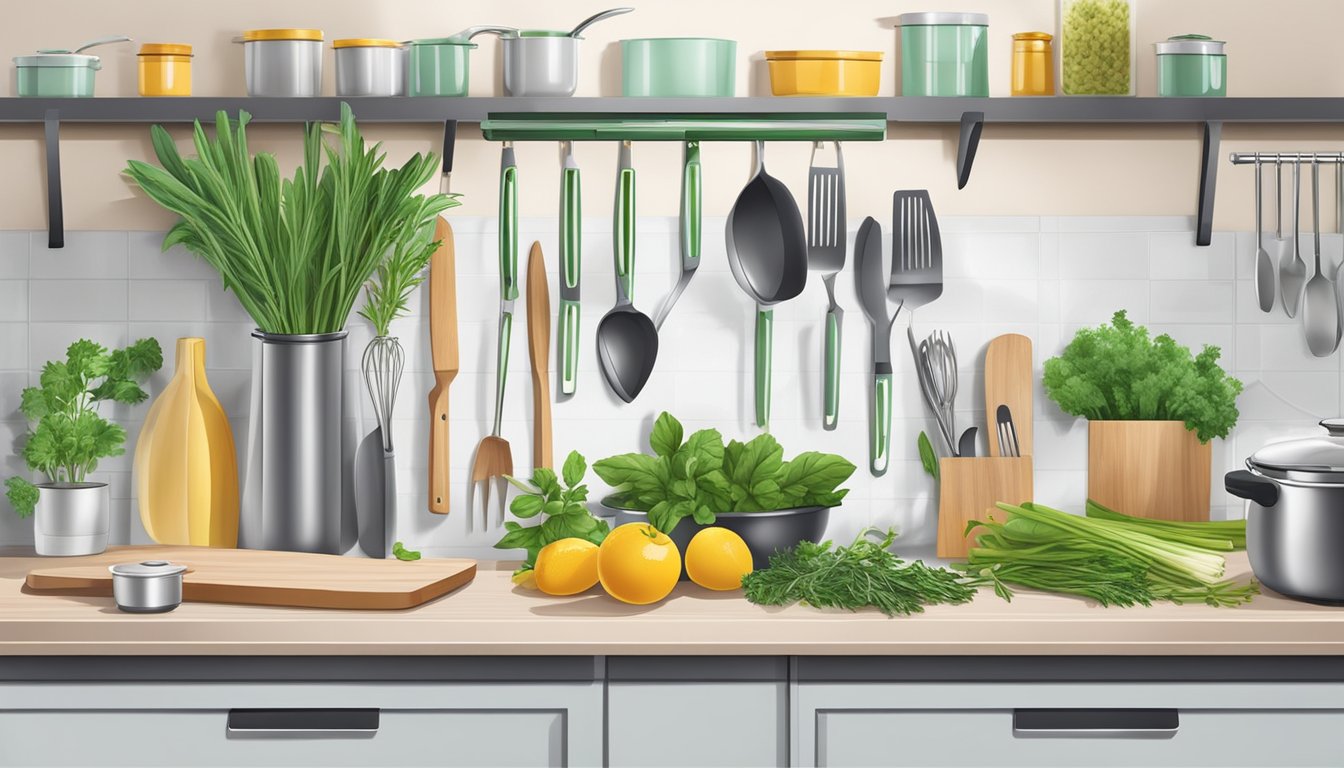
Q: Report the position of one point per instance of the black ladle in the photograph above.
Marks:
(767, 251)
(627, 340)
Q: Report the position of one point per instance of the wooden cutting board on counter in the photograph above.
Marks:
(257, 577)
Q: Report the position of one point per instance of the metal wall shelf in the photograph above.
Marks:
(969, 113)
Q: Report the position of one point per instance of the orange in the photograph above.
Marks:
(566, 567)
(718, 558)
(638, 564)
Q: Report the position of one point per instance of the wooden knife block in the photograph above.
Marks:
(969, 489)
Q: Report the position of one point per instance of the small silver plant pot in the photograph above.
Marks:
(71, 519)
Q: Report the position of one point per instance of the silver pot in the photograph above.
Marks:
(541, 62)
(370, 67)
(282, 63)
(152, 586)
(1294, 494)
(71, 519)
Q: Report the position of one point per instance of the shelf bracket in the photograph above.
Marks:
(449, 145)
(55, 212)
(1208, 181)
(972, 123)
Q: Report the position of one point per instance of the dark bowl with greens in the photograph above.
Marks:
(749, 488)
(764, 532)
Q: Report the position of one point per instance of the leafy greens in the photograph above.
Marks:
(69, 436)
(295, 251)
(1117, 372)
(566, 515)
(700, 477)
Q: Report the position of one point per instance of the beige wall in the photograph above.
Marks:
(1141, 170)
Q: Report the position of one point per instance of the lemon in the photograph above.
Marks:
(718, 558)
(525, 578)
(638, 564)
(566, 567)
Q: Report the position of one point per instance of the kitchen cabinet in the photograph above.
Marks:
(718, 711)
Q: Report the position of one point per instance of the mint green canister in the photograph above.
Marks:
(944, 54)
(1191, 65)
(57, 75)
(678, 67)
(438, 66)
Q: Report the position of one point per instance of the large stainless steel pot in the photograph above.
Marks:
(1294, 493)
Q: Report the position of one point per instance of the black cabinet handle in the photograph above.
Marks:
(317, 722)
(1108, 723)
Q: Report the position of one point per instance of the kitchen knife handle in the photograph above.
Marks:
(508, 226)
(623, 239)
(831, 386)
(879, 425)
(569, 346)
(438, 451)
(765, 330)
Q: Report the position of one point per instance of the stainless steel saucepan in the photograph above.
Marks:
(1294, 493)
(543, 62)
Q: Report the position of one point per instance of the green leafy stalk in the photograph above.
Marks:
(1117, 372)
(927, 457)
(566, 515)
(863, 574)
(387, 294)
(1231, 532)
(295, 251)
(700, 477)
(67, 436)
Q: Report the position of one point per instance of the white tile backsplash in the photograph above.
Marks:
(1041, 276)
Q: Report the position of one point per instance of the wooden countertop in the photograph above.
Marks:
(492, 617)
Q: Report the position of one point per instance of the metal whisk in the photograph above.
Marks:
(383, 363)
(937, 361)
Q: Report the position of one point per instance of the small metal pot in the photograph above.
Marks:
(542, 62)
(282, 62)
(764, 532)
(370, 67)
(1294, 494)
(152, 586)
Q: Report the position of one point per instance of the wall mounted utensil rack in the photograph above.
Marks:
(721, 127)
(969, 114)
(1320, 158)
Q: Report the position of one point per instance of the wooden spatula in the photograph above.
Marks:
(1008, 381)
(538, 348)
(443, 350)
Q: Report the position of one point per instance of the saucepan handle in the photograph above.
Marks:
(1253, 487)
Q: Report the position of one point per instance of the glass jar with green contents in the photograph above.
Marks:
(1097, 50)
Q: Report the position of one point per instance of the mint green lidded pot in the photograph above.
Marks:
(944, 54)
(57, 75)
(1191, 65)
(674, 67)
(438, 67)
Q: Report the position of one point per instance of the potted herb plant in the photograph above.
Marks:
(1152, 407)
(67, 437)
(295, 252)
(695, 481)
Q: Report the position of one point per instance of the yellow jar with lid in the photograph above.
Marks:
(1033, 64)
(165, 69)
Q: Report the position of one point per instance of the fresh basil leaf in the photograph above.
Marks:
(712, 490)
(761, 497)
(927, 457)
(554, 529)
(706, 446)
(520, 538)
(666, 436)
(574, 469)
(704, 515)
(545, 480)
(641, 479)
(578, 495)
(526, 506)
(553, 508)
(521, 485)
(812, 475)
(754, 469)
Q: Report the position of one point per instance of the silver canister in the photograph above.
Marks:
(282, 63)
(370, 67)
(293, 482)
(152, 586)
(71, 519)
(538, 63)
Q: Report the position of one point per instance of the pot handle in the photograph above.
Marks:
(1247, 485)
(471, 32)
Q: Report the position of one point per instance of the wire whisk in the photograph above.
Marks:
(383, 363)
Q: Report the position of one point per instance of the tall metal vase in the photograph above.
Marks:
(292, 494)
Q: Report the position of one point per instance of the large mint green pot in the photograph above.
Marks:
(57, 75)
(1191, 65)
(678, 67)
(944, 54)
(438, 67)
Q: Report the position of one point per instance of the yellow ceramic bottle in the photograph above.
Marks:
(186, 471)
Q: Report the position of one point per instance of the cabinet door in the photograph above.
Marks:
(738, 724)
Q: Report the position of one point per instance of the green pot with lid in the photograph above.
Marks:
(1191, 66)
(439, 66)
(944, 54)
(58, 73)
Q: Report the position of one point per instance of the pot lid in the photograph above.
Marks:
(82, 60)
(147, 569)
(824, 55)
(165, 49)
(365, 42)
(1191, 44)
(253, 35)
(1043, 36)
(1317, 455)
(443, 41)
(942, 18)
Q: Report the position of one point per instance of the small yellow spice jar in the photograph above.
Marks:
(1033, 65)
(165, 69)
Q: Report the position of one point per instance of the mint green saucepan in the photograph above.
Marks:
(675, 67)
(571, 245)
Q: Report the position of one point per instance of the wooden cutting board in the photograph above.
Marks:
(257, 577)
(1008, 381)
